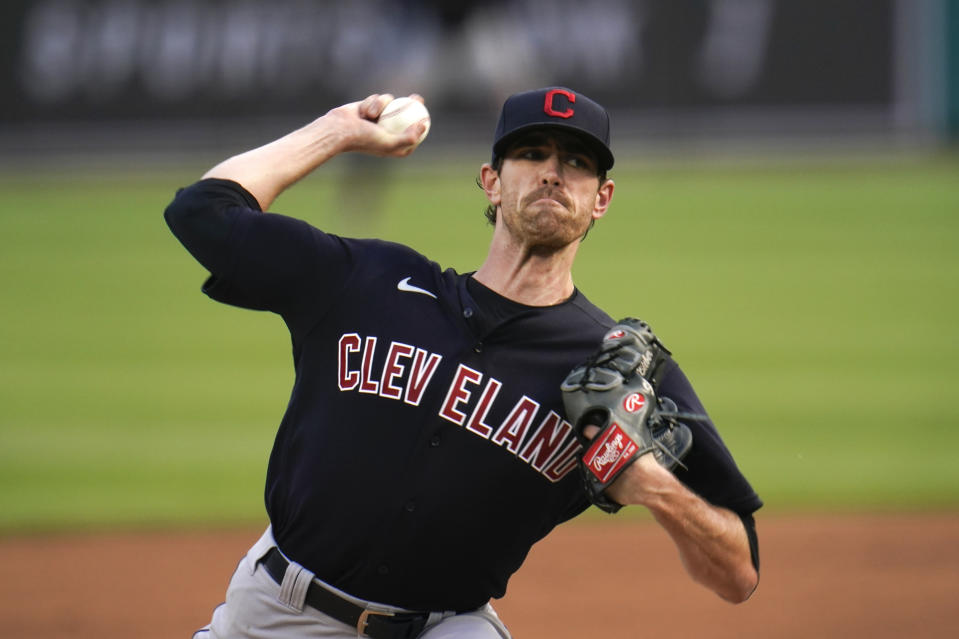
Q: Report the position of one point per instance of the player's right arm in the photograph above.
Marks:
(265, 261)
(267, 171)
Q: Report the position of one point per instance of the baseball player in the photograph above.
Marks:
(426, 446)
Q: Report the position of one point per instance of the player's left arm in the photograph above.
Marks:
(712, 541)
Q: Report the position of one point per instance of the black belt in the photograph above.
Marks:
(373, 624)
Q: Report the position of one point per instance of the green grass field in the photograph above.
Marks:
(813, 306)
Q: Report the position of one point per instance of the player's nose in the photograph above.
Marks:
(551, 170)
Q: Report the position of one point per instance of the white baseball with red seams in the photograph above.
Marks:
(402, 113)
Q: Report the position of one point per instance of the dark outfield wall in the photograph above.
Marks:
(68, 60)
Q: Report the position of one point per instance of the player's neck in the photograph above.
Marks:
(530, 278)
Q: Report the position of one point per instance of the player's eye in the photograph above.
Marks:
(531, 153)
(579, 161)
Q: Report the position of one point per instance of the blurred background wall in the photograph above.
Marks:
(170, 76)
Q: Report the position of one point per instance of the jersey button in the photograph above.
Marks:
(435, 441)
(478, 348)
(410, 506)
(467, 312)
(383, 569)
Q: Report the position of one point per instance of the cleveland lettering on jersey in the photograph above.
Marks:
(547, 445)
(421, 367)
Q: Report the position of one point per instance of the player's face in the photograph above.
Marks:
(549, 189)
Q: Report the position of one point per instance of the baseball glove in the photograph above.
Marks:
(616, 390)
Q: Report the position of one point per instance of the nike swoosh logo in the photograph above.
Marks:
(405, 286)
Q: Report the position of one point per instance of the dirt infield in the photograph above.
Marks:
(842, 577)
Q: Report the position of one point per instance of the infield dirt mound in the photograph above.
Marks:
(823, 577)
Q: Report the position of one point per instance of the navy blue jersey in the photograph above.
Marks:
(424, 448)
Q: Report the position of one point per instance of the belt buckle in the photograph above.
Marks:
(363, 621)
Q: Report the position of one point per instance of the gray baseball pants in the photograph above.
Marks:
(257, 607)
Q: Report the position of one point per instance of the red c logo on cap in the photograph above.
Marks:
(551, 96)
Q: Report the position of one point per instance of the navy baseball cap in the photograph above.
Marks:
(554, 107)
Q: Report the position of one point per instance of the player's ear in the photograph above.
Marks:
(489, 180)
(603, 198)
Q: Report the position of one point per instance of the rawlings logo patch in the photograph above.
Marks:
(609, 453)
(634, 402)
(615, 334)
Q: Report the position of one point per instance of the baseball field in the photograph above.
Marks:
(811, 301)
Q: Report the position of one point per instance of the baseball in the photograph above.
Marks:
(402, 113)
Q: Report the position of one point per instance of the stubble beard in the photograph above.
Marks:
(546, 226)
